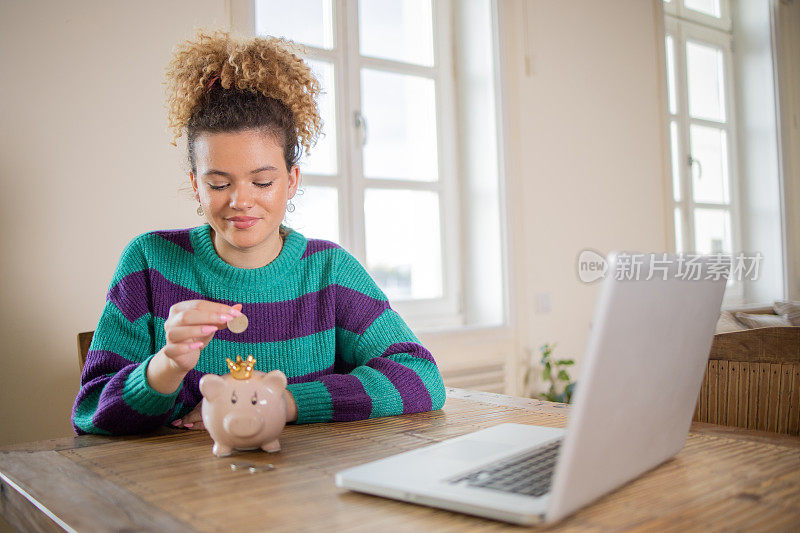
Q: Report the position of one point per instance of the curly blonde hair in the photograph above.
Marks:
(261, 84)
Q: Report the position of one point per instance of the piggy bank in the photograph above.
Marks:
(244, 410)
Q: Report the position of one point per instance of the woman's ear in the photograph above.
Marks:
(294, 180)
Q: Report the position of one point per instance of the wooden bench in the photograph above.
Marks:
(753, 380)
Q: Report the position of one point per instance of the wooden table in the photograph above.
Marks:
(723, 479)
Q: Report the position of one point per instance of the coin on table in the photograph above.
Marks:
(261, 468)
(238, 324)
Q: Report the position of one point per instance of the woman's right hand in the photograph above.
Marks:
(189, 328)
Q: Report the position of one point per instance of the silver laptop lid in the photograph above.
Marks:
(641, 376)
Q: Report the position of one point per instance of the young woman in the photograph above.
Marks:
(313, 310)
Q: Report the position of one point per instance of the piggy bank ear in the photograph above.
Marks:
(276, 378)
(211, 385)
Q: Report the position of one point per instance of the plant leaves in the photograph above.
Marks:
(546, 373)
(562, 375)
(569, 390)
(565, 362)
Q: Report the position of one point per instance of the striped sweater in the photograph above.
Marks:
(314, 313)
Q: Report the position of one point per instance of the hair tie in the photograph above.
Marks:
(215, 78)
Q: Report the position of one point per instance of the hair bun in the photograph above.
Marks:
(265, 65)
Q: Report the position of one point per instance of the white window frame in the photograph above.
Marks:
(432, 313)
(683, 30)
(676, 9)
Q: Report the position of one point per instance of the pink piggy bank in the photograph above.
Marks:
(244, 410)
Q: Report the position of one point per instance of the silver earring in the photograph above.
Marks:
(290, 207)
(200, 211)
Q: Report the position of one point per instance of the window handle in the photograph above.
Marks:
(361, 123)
(692, 162)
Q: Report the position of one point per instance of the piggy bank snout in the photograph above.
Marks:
(242, 425)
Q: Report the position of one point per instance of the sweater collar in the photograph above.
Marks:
(269, 275)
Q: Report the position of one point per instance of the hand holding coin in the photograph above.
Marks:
(238, 324)
(189, 328)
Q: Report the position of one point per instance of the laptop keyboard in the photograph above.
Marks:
(528, 473)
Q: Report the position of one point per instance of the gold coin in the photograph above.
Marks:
(238, 324)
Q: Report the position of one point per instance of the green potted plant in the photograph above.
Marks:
(555, 371)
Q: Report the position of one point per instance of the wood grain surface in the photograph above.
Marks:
(723, 479)
(752, 380)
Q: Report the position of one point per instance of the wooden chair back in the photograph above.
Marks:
(752, 380)
(84, 341)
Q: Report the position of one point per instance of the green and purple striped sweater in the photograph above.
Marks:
(314, 313)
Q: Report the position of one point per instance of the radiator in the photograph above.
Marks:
(488, 378)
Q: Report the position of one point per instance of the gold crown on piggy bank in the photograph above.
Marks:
(241, 369)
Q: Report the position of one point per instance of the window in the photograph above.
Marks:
(698, 45)
(381, 180)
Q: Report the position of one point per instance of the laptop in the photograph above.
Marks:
(631, 411)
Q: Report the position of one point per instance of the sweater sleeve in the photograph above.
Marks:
(389, 371)
(115, 397)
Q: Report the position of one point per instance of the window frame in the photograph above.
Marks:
(430, 313)
(683, 31)
(677, 9)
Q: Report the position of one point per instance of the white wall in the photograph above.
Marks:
(478, 165)
(85, 164)
(585, 147)
(757, 140)
(786, 18)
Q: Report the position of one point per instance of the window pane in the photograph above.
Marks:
(323, 156)
(673, 99)
(400, 113)
(401, 30)
(679, 231)
(706, 81)
(404, 252)
(712, 231)
(317, 213)
(709, 7)
(709, 152)
(304, 21)
(676, 170)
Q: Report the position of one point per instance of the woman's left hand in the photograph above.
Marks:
(192, 420)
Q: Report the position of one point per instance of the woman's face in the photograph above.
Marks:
(243, 185)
